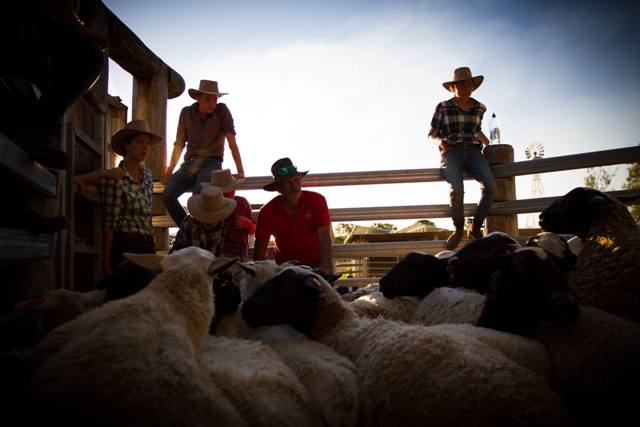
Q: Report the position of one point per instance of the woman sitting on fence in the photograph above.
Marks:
(456, 127)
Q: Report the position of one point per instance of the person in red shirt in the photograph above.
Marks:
(297, 219)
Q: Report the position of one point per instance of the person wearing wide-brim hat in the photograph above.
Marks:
(241, 225)
(203, 128)
(456, 127)
(126, 193)
(206, 222)
(298, 220)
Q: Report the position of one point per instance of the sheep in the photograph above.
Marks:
(410, 375)
(607, 270)
(526, 286)
(257, 381)
(596, 365)
(360, 292)
(448, 305)
(329, 378)
(136, 361)
(375, 304)
(416, 274)
(556, 246)
(30, 321)
(472, 266)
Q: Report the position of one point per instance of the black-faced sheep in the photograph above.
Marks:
(557, 247)
(136, 361)
(410, 375)
(416, 275)
(472, 266)
(607, 271)
(528, 286)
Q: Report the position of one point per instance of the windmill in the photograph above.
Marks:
(534, 151)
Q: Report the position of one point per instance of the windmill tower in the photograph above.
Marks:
(534, 151)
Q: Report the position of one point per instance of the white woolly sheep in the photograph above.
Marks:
(449, 305)
(264, 391)
(329, 378)
(607, 270)
(410, 375)
(136, 361)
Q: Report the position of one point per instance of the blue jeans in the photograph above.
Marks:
(189, 177)
(454, 161)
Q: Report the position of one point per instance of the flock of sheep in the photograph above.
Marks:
(497, 334)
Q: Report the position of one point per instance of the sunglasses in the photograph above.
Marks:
(286, 170)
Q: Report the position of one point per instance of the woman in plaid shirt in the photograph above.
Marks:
(456, 127)
(126, 193)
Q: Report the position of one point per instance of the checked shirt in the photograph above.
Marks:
(456, 126)
(126, 204)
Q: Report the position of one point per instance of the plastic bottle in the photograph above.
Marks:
(494, 130)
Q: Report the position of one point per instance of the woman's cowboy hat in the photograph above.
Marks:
(130, 130)
(282, 170)
(210, 206)
(460, 74)
(224, 180)
(206, 86)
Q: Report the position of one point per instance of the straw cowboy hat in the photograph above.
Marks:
(224, 180)
(130, 130)
(206, 86)
(210, 206)
(460, 74)
(282, 170)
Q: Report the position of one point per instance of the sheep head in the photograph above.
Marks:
(528, 287)
(291, 297)
(415, 275)
(571, 214)
(557, 247)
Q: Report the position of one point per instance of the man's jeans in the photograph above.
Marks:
(455, 160)
(189, 177)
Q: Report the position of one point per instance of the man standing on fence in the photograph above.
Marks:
(299, 220)
(456, 128)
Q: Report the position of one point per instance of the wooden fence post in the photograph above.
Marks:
(150, 103)
(498, 154)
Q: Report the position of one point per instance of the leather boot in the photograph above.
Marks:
(454, 238)
(475, 232)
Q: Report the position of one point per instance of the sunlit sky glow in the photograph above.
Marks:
(352, 85)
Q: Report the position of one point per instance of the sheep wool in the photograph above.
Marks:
(258, 383)
(448, 305)
(411, 375)
(135, 361)
(329, 378)
(376, 305)
(596, 365)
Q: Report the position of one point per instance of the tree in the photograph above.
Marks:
(342, 231)
(633, 182)
(599, 178)
(383, 226)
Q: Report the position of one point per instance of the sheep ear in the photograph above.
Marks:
(314, 283)
(151, 262)
(221, 264)
(249, 268)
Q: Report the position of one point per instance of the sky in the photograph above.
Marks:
(352, 85)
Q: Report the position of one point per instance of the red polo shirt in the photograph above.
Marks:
(296, 235)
